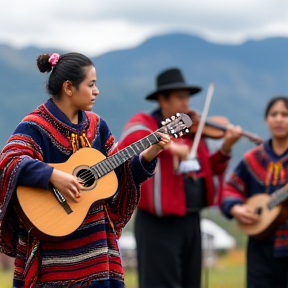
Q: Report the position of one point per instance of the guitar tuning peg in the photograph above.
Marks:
(168, 120)
(177, 114)
(172, 131)
(187, 130)
(175, 136)
(181, 133)
(163, 123)
(173, 117)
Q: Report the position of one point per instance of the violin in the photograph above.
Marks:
(216, 126)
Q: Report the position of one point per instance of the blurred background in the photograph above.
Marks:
(241, 46)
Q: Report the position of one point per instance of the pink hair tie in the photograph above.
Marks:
(53, 59)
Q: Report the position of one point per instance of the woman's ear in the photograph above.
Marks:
(67, 88)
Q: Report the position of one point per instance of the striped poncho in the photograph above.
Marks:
(89, 256)
(261, 171)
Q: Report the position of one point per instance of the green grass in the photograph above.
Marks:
(228, 272)
(6, 279)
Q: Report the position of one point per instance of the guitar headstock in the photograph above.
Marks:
(177, 125)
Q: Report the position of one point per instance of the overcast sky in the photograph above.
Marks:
(97, 26)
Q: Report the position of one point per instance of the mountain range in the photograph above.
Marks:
(246, 76)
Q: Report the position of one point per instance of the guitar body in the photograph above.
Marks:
(269, 219)
(41, 212)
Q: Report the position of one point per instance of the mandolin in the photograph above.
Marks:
(47, 215)
(272, 210)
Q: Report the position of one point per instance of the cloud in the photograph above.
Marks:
(94, 27)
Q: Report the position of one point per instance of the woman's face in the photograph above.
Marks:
(84, 97)
(277, 120)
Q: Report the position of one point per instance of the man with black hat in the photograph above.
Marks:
(167, 223)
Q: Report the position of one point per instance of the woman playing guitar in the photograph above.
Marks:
(255, 188)
(52, 133)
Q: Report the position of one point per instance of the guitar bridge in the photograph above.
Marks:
(61, 200)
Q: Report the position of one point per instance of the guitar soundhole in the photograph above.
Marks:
(87, 176)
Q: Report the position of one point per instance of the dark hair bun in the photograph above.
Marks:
(43, 64)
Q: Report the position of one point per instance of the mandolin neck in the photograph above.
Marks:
(110, 163)
(278, 197)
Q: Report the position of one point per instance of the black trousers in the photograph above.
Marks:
(168, 250)
(264, 270)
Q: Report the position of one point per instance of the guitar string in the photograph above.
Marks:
(88, 172)
(88, 175)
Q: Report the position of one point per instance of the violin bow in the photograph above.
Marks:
(192, 164)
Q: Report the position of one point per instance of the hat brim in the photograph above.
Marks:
(192, 89)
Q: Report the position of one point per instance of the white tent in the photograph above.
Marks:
(127, 241)
(220, 238)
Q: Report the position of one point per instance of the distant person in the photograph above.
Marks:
(262, 171)
(167, 224)
(89, 257)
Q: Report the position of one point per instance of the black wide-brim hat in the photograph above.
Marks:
(171, 79)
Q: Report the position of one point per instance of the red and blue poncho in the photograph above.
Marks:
(89, 256)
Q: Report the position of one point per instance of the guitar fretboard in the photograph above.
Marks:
(109, 164)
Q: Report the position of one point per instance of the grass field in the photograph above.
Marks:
(228, 272)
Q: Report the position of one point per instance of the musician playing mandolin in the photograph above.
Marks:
(262, 174)
(56, 130)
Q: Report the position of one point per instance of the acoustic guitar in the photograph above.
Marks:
(47, 215)
(272, 210)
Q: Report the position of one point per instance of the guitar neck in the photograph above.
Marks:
(109, 164)
(177, 126)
